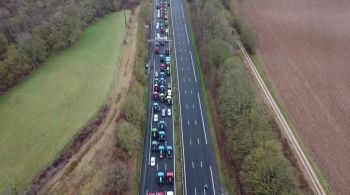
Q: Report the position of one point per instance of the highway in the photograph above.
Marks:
(200, 166)
(199, 162)
(149, 174)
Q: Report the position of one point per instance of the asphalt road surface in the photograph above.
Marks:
(200, 167)
(199, 161)
(149, 174)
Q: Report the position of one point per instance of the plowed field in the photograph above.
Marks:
(305, 47)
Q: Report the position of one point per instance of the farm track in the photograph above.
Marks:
(308, 171)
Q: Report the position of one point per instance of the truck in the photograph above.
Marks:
(154, 133)
(160, 177)
(170, 177)
(169, 151)
(161, 150)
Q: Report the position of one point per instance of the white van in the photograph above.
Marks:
(158, 14)
(169, 193)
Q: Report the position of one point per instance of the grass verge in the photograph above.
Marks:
(56, 101)
(264, 75)
(223, 177)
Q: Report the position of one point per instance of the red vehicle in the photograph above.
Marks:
(155, 95)
(170, 177)
(156, 88)
(160, 193)
(151, 193)
(162, 67)
(156, 50)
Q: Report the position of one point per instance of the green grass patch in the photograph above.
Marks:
(40, 116)
(264, 75)
(223, 177)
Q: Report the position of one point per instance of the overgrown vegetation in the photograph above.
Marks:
(130, 130)
(251, 146)
(57, 101)
(32, 30)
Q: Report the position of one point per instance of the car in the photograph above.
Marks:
(155, 118)
(153, 161)
(161, 137)
(151, 193)
(156, 74)
(160, 177)
(169, 92)
(162, 89)
(158, 5)
(156, 87)
(169, 151)
(167, 52)
(156, 81)
(156, 107)
(161, 150)
(161, 58)
(162, 75)
(168, 100)
(162, 67)
(156, 50)
(163, 112)
(155, 95)
(158, 36)
(168, 59)
(169, 111)
(154, 145)
(169, 193)
(162, 80)
(162, 125)
(157, 26)
(160, 193)
(170, 177)
(167, 71)
(162, 43)
(169, 85)
(154, 133)
(167, 65)
(162, 97)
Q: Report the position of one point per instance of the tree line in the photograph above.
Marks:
(32, 30)
(248, 141)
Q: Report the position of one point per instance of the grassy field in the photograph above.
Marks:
(40, 116)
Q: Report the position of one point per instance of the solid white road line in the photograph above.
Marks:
(212, 179)
(200, 107)
(194, 73)
(188, 40)
(182, 10)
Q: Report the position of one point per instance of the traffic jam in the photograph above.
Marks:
(162, 101)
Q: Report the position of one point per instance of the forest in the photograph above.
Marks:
(33, 30)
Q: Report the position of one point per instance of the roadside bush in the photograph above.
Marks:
(117, 180)
(128, 137)
(265, 171)
(257, 155)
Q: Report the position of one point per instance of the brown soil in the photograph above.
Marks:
(86, 169)
(305, 46)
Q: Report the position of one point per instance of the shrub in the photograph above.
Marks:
(128, 137)
(265, 171)
(117, 179)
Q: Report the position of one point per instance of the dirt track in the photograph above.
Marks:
(305, 48)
